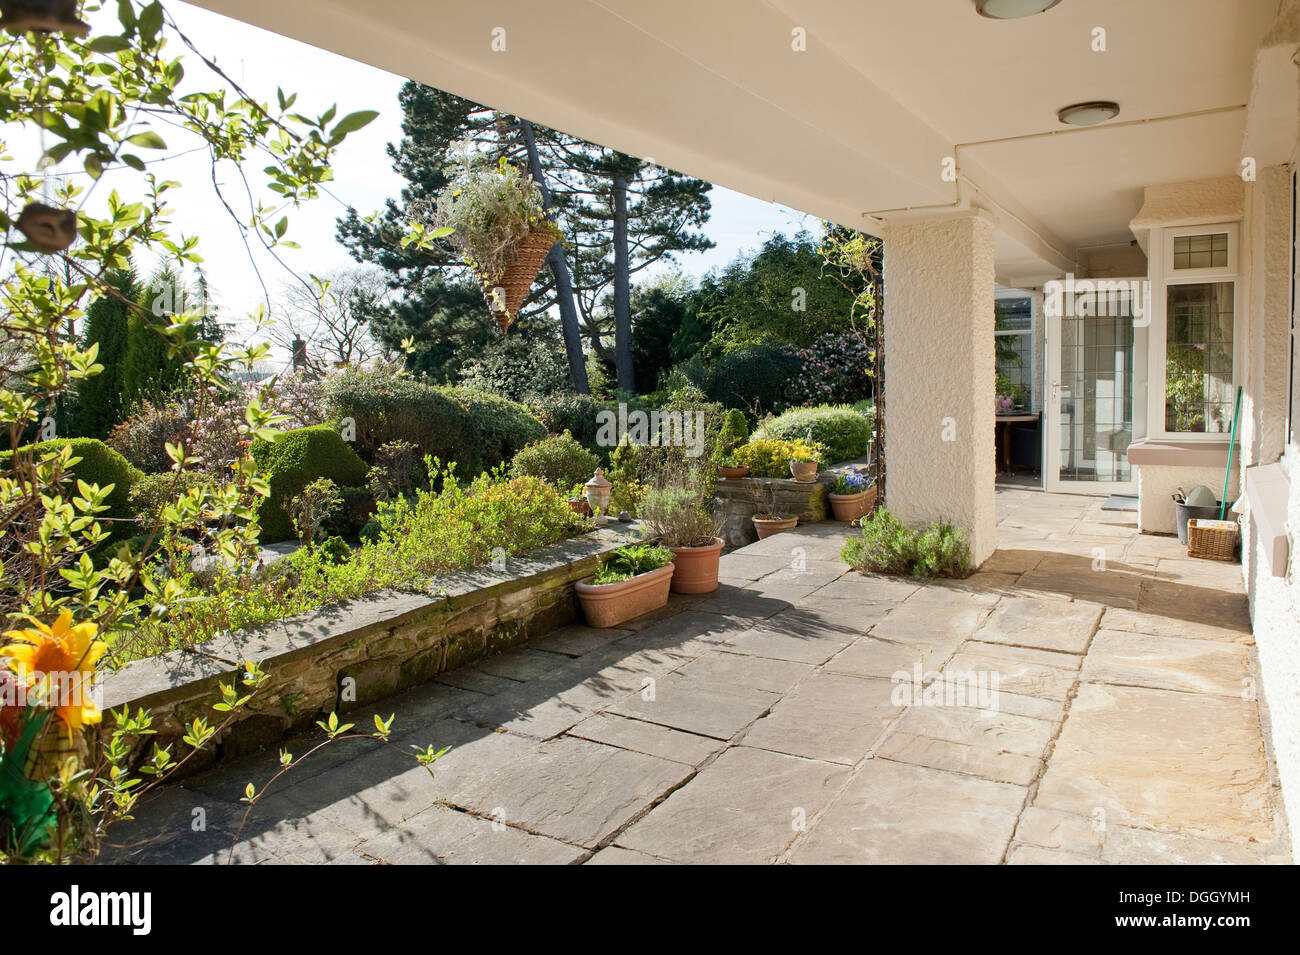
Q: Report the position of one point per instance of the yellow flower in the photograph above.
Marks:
(60, 661)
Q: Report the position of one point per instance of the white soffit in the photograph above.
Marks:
(864, 118)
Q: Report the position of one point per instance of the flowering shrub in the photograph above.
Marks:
(143, 437)
(766, 457)
(835, 371)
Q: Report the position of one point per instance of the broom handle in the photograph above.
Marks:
(1227, 475)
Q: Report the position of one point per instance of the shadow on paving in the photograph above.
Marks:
(491, 715)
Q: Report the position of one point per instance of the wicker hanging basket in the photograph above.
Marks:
(506, 293)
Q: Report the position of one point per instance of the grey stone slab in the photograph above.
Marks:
(742, 603)
(1158, 759)
(880, 658)
(687, 634)
(614, 855)
(652, 739)
(578, 639)
(443, 836)
(1015, 673)
(522, 664)
(1169, 663)
(697, 706)
(1126, 846)
(935, 617)
(1046, 624)
(1034, 855)
(743, 808)
(737, 669)
(893, 813)
(1198, 604)
(869, 588)
(829, 716)
(476, 681)
(811, 648)
(992, 745)
(1141, 622)
(573, 790)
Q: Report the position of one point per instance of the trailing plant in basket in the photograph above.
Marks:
(487, 212)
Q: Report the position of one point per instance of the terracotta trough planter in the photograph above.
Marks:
(697, 568)
(608, 605)
(766, 527)
(849, 507)
(734, 474)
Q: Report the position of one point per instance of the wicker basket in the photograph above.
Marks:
(518, 278)
(1215, 540)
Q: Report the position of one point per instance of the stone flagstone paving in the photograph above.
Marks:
(759, 725)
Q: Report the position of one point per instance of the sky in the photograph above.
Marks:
(260, 61)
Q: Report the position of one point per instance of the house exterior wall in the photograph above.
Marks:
(939, 373)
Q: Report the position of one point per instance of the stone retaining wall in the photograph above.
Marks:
(738, 501)
(353, 653)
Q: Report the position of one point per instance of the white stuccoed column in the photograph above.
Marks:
(939, 375)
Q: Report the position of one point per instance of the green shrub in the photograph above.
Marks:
(294, 460)
(625, 472)
(630, 560)
(476, 430)
(845, 433)
(755, 379)
(98, 464)
(769, 457)
(557, 460)
(575, 414)
(153, 492)
(430, 533)
(734, 433)
(143, 437)
(886, 546)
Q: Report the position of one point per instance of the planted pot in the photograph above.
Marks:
(697, 568)
(608, 605)
(767, 526)
(734, 474)
(849, 507)
(805, 472)
(579, 505)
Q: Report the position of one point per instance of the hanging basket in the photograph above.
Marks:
(518, 278)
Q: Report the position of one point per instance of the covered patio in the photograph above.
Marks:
(1108, 141)
(761, 724)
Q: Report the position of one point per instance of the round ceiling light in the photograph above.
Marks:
(1012, 9)
(1088, 114)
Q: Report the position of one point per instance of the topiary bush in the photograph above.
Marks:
(734, 433)
(294, 460)
(475, 429)
(845, 433)
(887, 546)
(557, 460)
(100, 465)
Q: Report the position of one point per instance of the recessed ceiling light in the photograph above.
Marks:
(1012, 9)
(1088, 114)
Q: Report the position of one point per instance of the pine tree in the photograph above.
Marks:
(148, 372)
(100, 397)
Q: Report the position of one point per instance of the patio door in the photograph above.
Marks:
(1095, 399)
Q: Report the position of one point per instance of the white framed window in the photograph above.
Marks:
(1197, 312)
(1014, 350)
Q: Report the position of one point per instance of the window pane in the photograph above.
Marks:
(1198, 361)
(1209, 250)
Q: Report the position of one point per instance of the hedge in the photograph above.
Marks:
(100, 465)
(295, 459)
(845, 433)
(475, 429)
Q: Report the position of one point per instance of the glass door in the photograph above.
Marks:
(1096, 393)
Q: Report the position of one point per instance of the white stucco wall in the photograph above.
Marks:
(939, 375)
(1157, 484)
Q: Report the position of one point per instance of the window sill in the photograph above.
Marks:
(1267, 493)
(1167, 452)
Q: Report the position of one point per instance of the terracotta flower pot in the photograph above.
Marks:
(608, 605)
(734, 474)
(697, 568)
(579, 505)
(767, 526)
(805, 472)
(849, 507)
